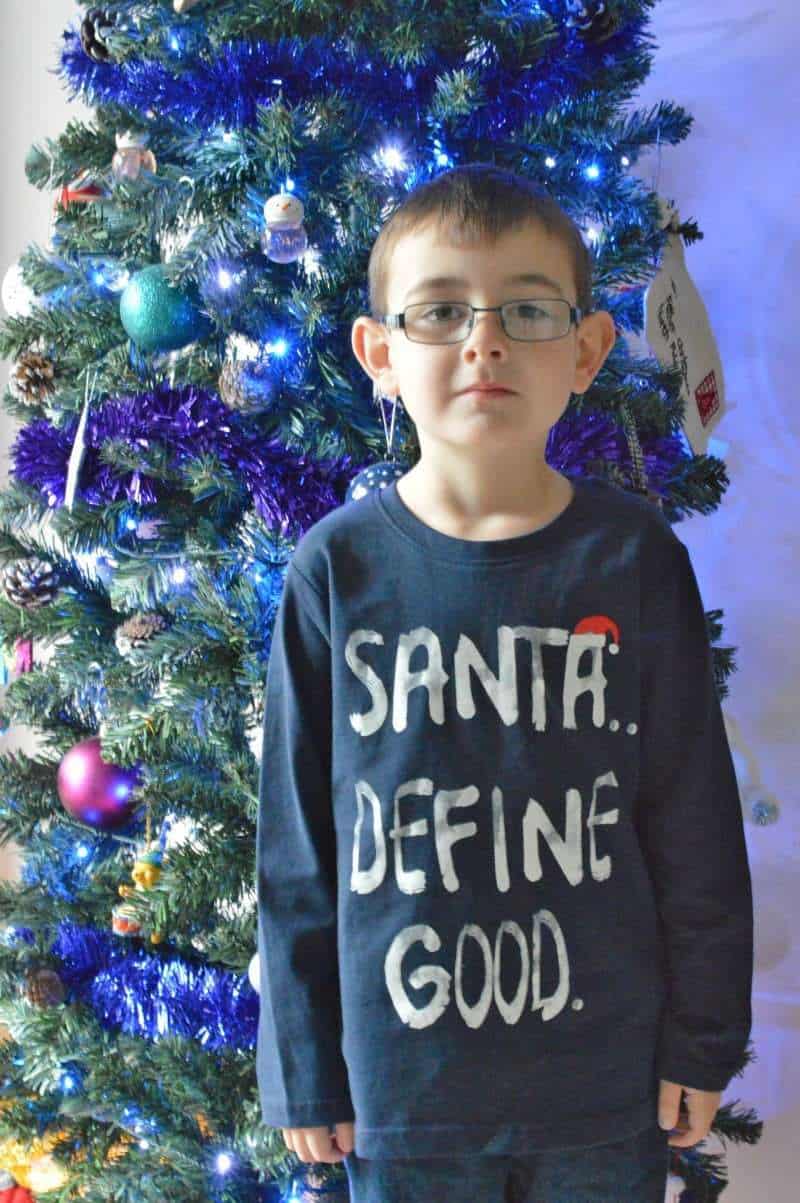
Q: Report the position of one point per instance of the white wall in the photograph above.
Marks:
(34, 106)
(733, 67)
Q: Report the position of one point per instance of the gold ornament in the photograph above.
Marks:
(146, 873)
(30, 1163)
(206, 1130)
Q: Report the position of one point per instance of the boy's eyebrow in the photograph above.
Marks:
(456, 281)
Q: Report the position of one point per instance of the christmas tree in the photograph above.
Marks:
(188, 405)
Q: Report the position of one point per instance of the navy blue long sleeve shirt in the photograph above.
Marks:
(502, 878)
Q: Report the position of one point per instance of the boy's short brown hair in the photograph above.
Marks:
(477, 201)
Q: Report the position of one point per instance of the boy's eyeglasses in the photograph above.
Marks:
(452, 321)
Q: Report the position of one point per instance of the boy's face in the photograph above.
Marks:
(430, 378)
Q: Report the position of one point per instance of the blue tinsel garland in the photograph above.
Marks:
(227, 86)
(152, 995)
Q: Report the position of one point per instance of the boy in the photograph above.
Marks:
(505, 915)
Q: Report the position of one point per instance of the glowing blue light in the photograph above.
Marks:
(280, 347)
(592, 172)
(625, 161)
(549, 161)
(392, 157)
(228, 136)
(289, 185)
(144, 1144)
(224, 1163)
(68, 1082)
(98, 278)
(131, 524)
(175, 42)
(82, 852)
(224, 278)
(179, 575)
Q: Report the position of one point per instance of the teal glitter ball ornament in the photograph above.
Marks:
(157, 316)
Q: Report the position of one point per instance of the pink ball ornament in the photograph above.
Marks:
(97, 793)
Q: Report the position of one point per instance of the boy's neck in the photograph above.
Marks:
(495, 506)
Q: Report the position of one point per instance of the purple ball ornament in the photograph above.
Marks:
(93, 791)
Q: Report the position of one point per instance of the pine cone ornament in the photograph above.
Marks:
(94, 28)
(44, 988)
(30, 583)
(595, 21)
(32, 378)
(136, 631)
(245, 384)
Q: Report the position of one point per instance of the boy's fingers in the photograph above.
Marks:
(669, 1099)
(312, 1144)
(686, 1137)
(322, 1143)
(345, 1136)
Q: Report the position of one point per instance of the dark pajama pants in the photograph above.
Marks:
(633, 1170)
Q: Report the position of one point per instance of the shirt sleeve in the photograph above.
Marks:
(689, 820)
(302, 1075)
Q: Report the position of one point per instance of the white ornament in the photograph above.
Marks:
(255, 740)
(679, 334)
(241, 349)
(132, 156)
(675, 1188)
(18, 297)
(76, 458)
(254, 974)
(283, 211)
(237, 908)
(173, 241)
(183, 831)
(284, 239)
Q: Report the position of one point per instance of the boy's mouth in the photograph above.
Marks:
(485, 388)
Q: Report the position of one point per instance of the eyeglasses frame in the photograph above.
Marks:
(397, 321)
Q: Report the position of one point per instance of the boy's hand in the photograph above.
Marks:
(321, 1144)
(696, 1118)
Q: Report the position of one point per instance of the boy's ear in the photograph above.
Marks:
(370, 342)
(596, 336)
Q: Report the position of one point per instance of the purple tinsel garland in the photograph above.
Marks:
(156, 996)
(291, 493)
(187, 422)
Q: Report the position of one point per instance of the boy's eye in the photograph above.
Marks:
(449, 311)
(529, 311)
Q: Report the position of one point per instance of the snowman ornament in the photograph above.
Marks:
(284, 238)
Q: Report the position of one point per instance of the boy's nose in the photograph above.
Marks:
(491, 330)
